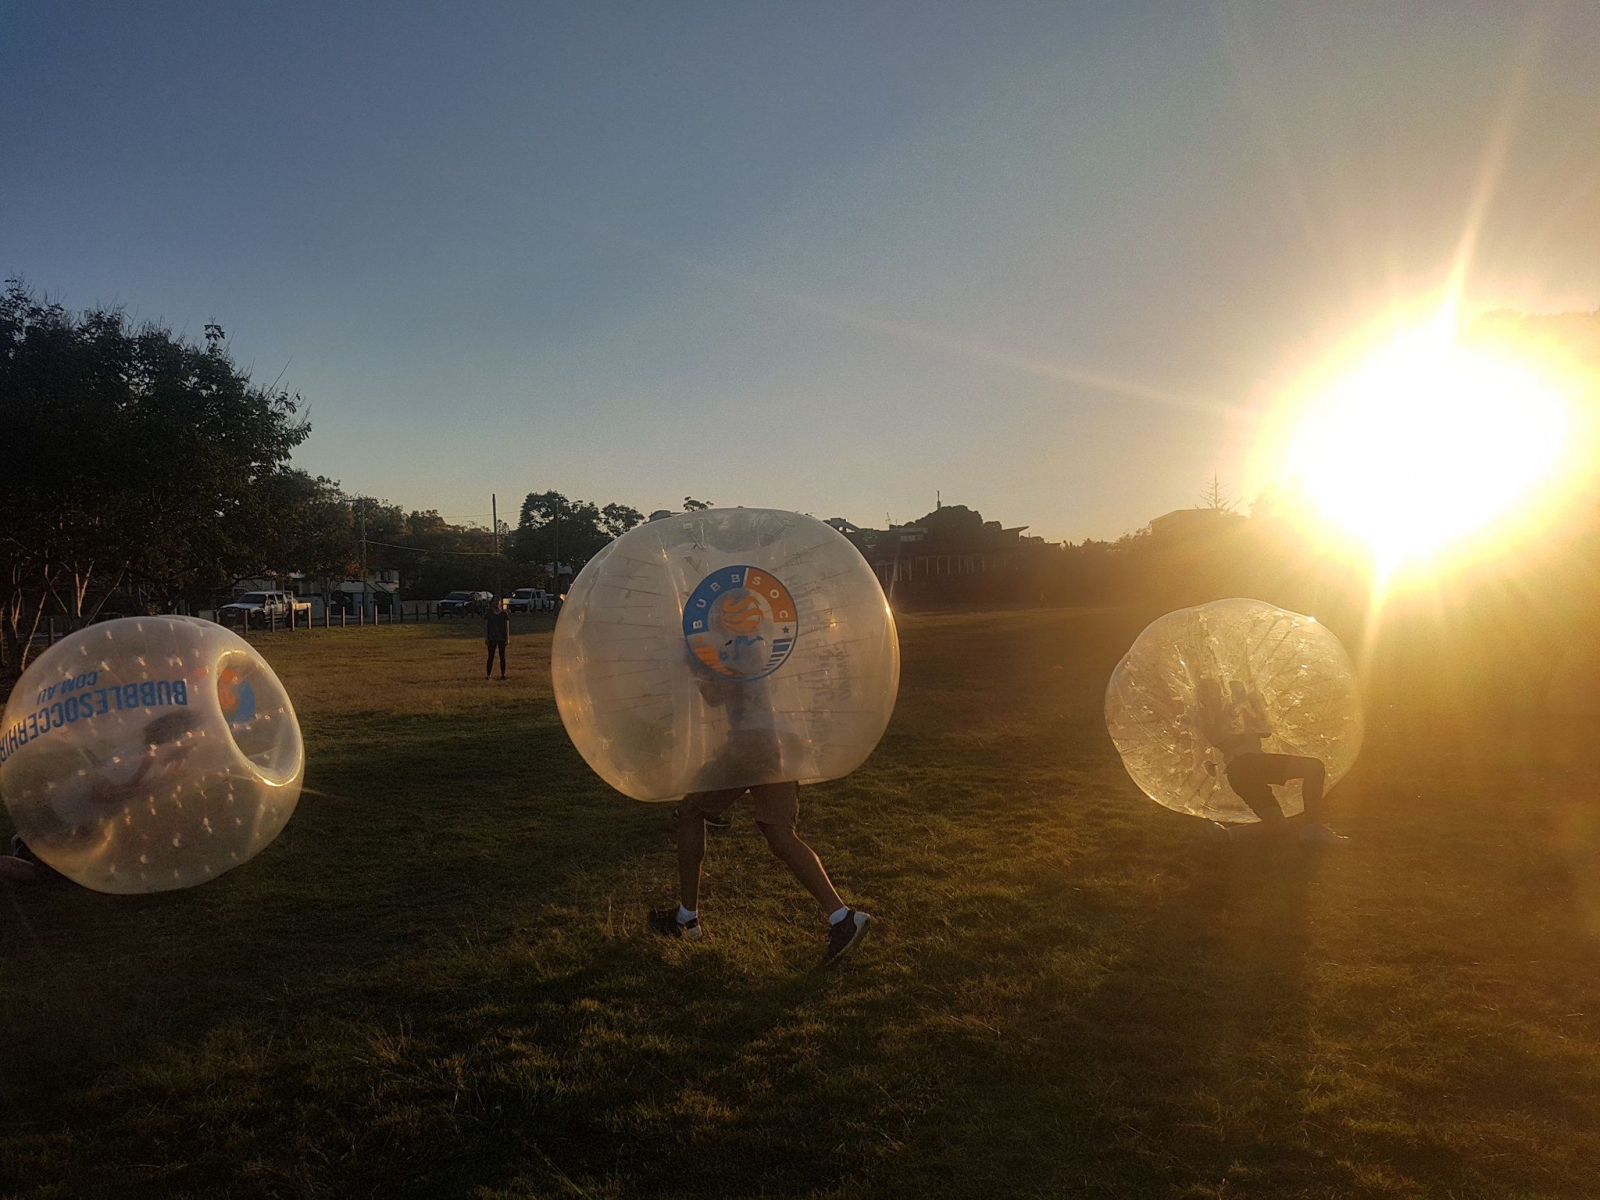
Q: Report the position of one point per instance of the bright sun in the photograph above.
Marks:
(1427, 442)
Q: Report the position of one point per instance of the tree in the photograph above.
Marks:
(953, 523)
(435, 557)
(690, 504)
(1216, 497)
(296, 522)
(132, 460)
(617, 519)
(551, 527)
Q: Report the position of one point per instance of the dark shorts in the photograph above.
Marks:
(776, 803)
(1252, 777)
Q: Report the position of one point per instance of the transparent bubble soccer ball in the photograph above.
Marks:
(1234, 675)
(722, 649)
(149, 753)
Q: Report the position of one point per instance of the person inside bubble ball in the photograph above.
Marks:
(97, 790)
(1236, 724)
(754, 747)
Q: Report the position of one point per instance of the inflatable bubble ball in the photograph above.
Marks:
(1201, 685)
(722, 649)
(149, 753)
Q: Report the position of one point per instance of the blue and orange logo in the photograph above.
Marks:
(740, 623)
(237, 696)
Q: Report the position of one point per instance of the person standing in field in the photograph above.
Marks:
(753, 748)
(497, 632)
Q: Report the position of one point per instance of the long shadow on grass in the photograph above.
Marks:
(1185, 1066)
(567, 1090)
(485, 1078)
(408, 835)
(1201, 1032)
(383, 1003)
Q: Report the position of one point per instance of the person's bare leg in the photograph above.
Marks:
(691, 853)
(802, 861)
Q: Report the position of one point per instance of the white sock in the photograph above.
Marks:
(835, 917)
(685, 915)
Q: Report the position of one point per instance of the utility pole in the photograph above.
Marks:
(494, 541)
(366, 602)
(555, 585)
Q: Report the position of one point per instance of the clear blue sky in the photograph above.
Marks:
(830, 257)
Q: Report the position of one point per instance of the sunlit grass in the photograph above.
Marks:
(436, 984)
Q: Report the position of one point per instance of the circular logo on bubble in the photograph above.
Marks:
(740, 622)
(237, 697)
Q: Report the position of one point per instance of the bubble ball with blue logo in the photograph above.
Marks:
(149, 753)
(723, 649)
(1240, 672)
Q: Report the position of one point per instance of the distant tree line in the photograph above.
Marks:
(553, 529)
(143, 472)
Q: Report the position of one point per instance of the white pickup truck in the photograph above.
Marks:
(529, 600)
(259, 608)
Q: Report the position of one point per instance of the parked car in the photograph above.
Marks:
(530, 600)
(466, 604)
(259, 608)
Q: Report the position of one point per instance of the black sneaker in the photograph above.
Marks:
(665, 922)
(846, 935)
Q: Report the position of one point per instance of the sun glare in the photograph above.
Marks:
(1426, 443)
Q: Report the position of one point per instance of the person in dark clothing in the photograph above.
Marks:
(1236, 724)
(497, 632)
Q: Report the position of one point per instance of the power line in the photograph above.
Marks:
(425, 550)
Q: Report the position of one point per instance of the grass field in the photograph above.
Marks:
(436, 983)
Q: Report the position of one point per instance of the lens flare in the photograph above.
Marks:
(1426, 443)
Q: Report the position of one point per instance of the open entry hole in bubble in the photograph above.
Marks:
(259, 718)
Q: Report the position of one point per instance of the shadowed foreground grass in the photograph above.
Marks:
(435, 982)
